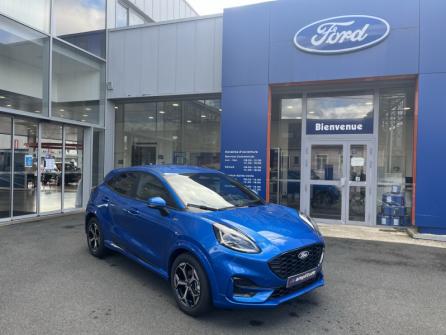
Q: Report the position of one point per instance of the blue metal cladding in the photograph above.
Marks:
(431, 160)
(259, 50)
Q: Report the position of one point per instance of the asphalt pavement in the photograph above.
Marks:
(49, 284)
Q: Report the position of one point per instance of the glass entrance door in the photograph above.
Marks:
(339, 182)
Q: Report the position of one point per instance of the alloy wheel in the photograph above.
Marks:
(187, 284)
(94, 236)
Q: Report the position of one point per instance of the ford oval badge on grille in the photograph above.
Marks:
(303, 254)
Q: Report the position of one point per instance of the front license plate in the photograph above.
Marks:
(301, 278)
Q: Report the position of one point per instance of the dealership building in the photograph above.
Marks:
(334, 108)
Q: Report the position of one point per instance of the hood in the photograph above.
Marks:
(268, 225)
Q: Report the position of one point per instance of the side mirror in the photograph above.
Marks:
(158, 203)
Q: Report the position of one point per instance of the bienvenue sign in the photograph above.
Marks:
(342, 34)
(339, 127)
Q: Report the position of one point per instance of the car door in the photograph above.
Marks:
(121, 201)
(152, 229)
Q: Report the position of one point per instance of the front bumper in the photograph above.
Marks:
(267, 290)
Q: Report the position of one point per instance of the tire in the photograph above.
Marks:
(190, 285)
(95, 239)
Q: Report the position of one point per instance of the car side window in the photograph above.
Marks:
(150, 186)
(124, 184)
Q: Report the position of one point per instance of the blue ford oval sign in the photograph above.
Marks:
(342, 34)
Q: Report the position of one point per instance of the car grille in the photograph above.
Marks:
(283, 291)
(289, 264)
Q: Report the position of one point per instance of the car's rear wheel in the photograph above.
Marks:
(190, 285)
(95, 238)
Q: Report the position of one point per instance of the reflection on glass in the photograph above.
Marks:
(325, 202)
(25, 167)
(326, 162)
(395, 141)
(35, 13)
(5, 167)
(74, 149)
(285, 159)
(353, 106)
(358, 162)
(77, 92)
(24, 55)
(357, 203)
(166, 133)
(81, 23)
(51, 168)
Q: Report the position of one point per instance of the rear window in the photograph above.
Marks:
(124, 184)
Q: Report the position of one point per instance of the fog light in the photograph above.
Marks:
(244, 287)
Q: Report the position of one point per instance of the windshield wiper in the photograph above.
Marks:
(256, 202)
(203, 207)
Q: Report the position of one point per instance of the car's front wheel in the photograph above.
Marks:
(190, 285)
(95, 238)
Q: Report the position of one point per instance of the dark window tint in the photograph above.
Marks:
(124, 184)
(149, 187)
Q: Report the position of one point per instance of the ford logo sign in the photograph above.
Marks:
(342, 34)
(303, 255)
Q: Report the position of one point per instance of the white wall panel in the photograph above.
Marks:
(186, 45)
(166, 59)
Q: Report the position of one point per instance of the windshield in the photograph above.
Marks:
(211, 191)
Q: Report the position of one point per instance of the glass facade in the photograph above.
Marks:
(73, 167)
(395, 146)
(24, 59)
(82, 23)
(169, 132)
(285, 156)
(338, 170)
(5, 166)
(77, 85)
(35, 13)
(25, 167)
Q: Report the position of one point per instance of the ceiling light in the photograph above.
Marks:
(36, 111)
(369, 103)
(61, 110)
(162, 112)
(407, 108)
(84, 115)
(175, 105)
(2, 97)
(82, 120)
(8, 105)
(88, 109)
(116, 107)
(311, 112)
(189, 121)
(290, 107)
(220, 110)
(151, 117)
(203, 116)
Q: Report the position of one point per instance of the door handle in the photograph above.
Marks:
(131, 211)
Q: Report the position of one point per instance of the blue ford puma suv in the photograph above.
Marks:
(214, 240)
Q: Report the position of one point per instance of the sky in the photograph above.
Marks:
(206, 7)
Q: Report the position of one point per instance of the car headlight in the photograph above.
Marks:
(310, 222)
(234, 239)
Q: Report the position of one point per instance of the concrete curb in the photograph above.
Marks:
(429, 237)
